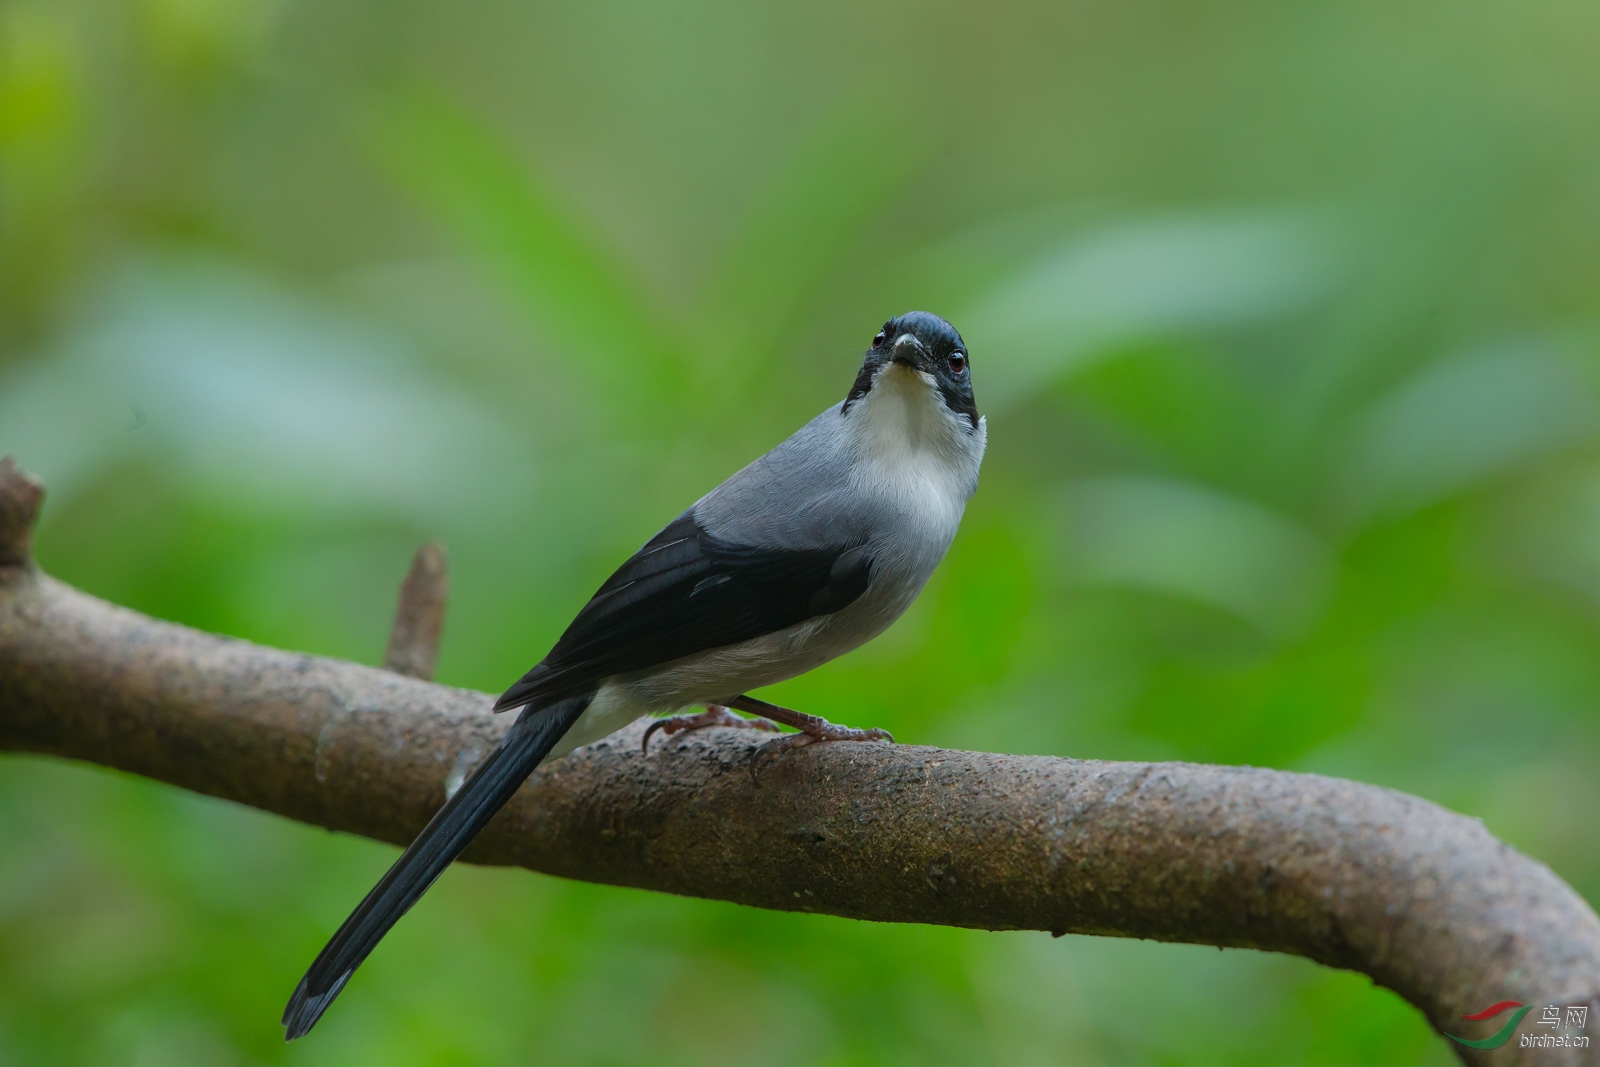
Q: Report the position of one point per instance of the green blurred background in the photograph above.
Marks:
(1283, 317)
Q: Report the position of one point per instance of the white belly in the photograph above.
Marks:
(709, 677)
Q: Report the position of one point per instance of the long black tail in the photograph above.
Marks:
(484, 792)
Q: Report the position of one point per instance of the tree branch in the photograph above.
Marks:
(1425, 901)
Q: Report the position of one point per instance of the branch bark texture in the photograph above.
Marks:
(1425, 901)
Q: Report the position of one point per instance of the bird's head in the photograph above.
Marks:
(920, 343)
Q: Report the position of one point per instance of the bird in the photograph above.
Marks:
(803, 555)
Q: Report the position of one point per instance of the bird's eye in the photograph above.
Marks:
(877, 342)
(958, 362)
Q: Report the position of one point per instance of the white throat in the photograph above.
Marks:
(915, 444)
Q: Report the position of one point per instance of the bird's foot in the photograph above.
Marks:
(714, 715)
(812, 729)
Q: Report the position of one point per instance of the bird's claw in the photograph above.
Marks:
(714, 715)
(814, 730)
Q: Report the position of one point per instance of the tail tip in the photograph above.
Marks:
(304, 1008)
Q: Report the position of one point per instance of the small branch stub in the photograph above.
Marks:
(20, 496)
(419, 620)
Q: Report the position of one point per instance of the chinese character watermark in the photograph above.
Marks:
(1576, 1017)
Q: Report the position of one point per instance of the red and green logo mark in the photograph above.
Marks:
(1500, 1036)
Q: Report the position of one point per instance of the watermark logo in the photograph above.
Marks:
(1576, 1017)
(1500, 1036)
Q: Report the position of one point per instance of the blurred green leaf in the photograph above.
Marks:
(598, 315)
(815, 207)
(1464, 420)
(1142, 277)
(191, 364)
(1188, 540)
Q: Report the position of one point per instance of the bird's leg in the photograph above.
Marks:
(812, 729)
(714, 715)
(811, 726)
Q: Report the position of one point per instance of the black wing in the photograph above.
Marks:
(684, 592)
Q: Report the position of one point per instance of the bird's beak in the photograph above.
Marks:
(909, 351)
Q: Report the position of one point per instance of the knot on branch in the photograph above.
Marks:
(20, 496)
